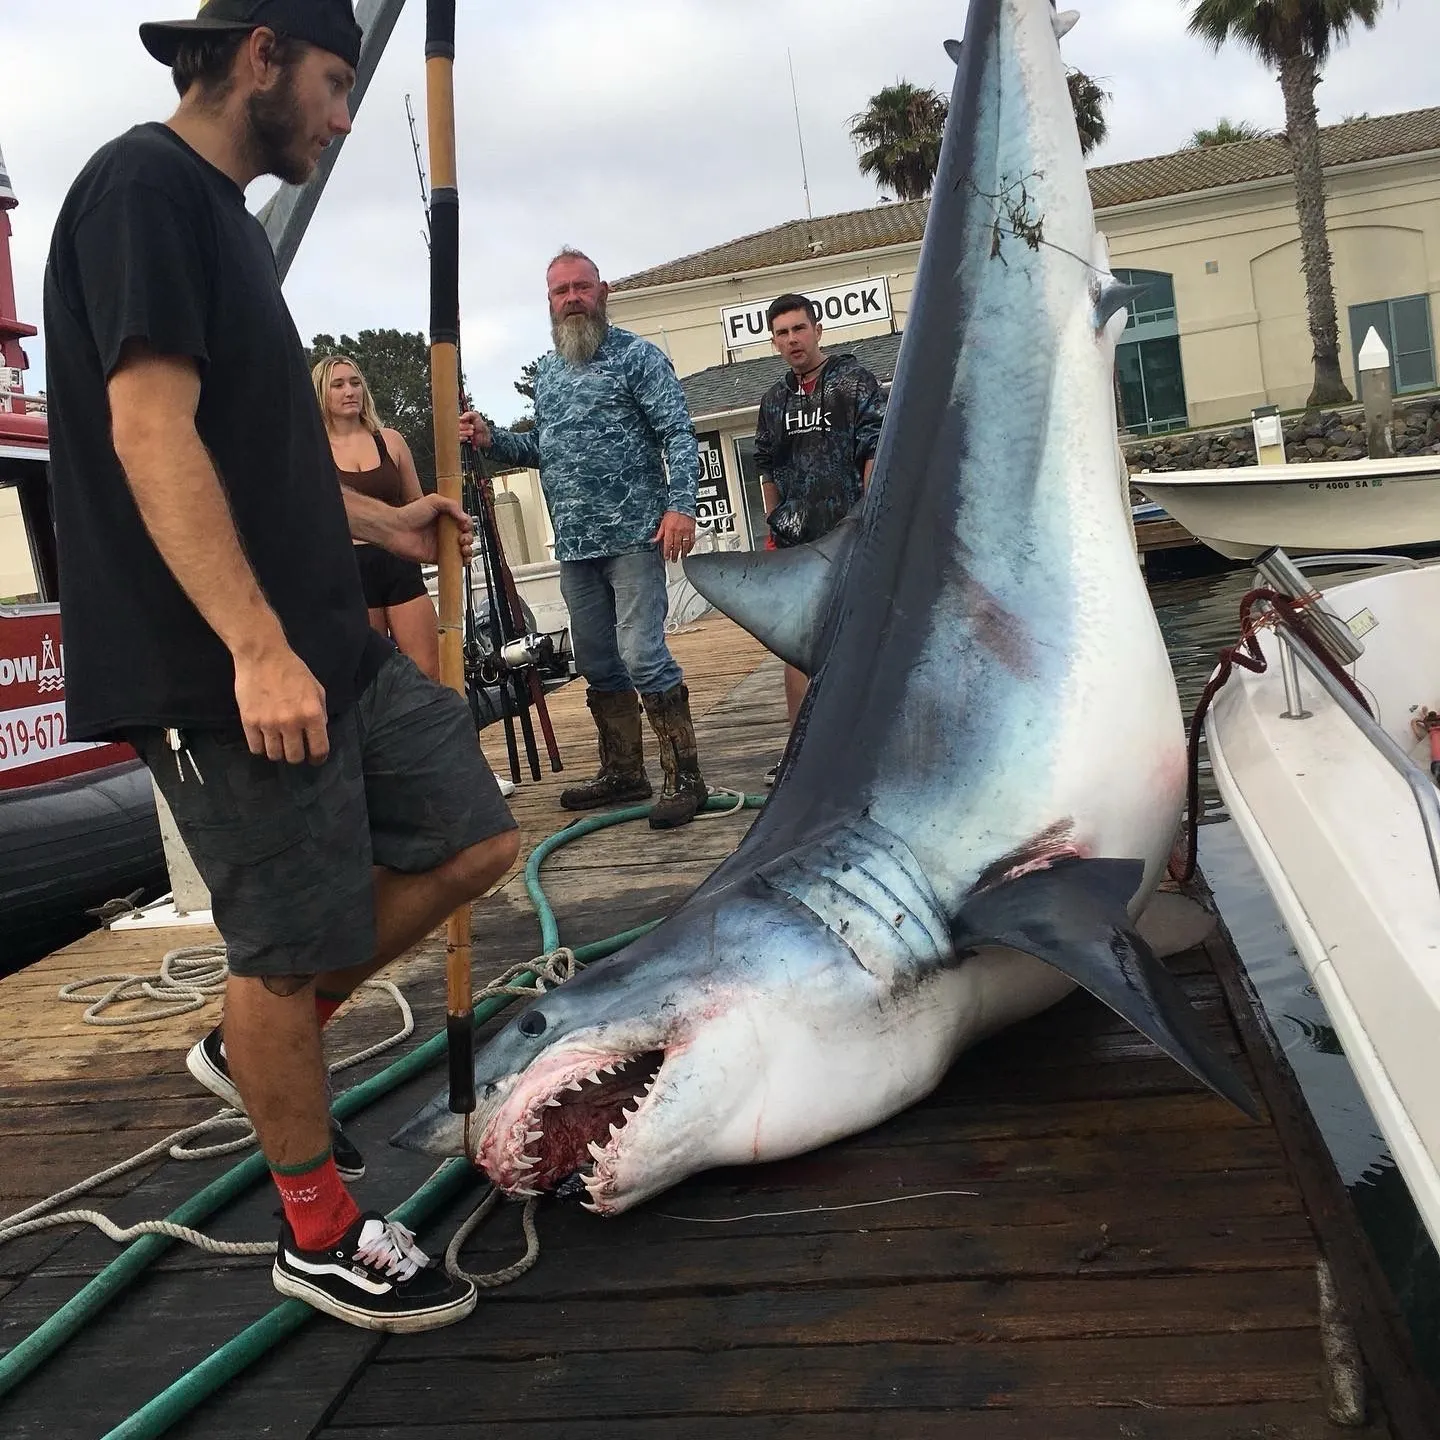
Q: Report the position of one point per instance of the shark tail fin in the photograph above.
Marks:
(1073, 916)
(779, 596)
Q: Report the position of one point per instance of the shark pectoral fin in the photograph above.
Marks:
(1064, 22)
(779, 596)
(1073, 916)
(953, 49)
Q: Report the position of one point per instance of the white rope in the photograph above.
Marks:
(552, 969)
(37, 1217)
(493, 1279)
(188, 978)
(737, 795)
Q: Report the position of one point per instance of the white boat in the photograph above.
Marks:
(1342, 816)
(1340, 505)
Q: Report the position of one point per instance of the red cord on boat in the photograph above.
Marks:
(1246, 653)
(1428, 722)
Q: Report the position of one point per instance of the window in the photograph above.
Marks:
(18, 582)
(1150, 381)
(1156, 306)
(1404, 329)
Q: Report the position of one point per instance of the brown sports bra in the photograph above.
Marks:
(381, 483)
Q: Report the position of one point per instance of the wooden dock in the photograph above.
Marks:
(1132, 1257)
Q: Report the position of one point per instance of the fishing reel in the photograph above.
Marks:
(525, 652)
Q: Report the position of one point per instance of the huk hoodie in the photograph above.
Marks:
(813, 447)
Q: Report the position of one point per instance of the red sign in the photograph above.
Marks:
(34, 743)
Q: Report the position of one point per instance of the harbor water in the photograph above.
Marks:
(1199, 617)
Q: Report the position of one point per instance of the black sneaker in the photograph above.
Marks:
(206, 1062)
(374, 1276)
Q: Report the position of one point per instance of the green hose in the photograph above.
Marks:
(251, 1343)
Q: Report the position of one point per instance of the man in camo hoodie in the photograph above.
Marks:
(608, 410)
(815, 442)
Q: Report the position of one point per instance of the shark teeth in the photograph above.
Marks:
(596, 1149)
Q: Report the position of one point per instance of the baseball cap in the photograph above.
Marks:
(330, 24)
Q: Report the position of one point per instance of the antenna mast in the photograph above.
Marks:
(799, 135)
(419, 168)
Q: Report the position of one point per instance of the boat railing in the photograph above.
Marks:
(1422, 788)
(1352, 561)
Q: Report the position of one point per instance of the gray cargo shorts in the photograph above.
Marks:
(287, 850)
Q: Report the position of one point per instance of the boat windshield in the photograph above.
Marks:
(19, 584)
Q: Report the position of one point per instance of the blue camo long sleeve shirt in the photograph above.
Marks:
(600, 432)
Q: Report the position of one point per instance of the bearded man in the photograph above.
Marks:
(332, 797)
(608, 411)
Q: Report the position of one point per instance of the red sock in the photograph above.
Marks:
(327, 1005)
(317, 1204)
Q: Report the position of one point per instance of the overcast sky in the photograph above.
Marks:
(639, 130)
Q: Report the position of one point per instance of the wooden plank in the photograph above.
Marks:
(150, 1337)
(1203, 1370)
(690, 1265)
(969, 1312)
(1124, 1422)
(1410, 1398)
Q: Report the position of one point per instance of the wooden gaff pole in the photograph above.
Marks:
(444, 387)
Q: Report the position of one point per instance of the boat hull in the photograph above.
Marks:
(1349, 505)
(67, 845)
(1337, 836)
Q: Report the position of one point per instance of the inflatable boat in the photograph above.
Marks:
(77, 820)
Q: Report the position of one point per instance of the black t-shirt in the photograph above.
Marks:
(155, 243)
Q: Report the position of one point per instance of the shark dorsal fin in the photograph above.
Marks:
(779, 596)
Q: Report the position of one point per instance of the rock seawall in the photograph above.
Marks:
(1313, 436)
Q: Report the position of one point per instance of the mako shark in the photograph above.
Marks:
(986, 777)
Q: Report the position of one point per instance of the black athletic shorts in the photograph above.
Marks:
(287, 850)
(387, 579)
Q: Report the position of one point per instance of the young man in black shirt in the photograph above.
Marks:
(815, 442)
(332, 797)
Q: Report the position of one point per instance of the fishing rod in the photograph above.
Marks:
(512, 664)
(444, 385)
(523, 653)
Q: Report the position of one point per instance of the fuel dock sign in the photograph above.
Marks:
(859, 303)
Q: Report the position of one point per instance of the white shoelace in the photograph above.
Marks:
(389, 1246)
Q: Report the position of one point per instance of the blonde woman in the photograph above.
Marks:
(376, 461)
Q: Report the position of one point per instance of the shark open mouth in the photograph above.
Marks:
(568, 1118)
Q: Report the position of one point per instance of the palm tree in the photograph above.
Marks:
(1087, 100)
(1225, 132)
(1295, 37)
(898, 136)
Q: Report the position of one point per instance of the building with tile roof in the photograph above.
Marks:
(1212, 232)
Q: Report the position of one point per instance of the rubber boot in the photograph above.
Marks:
(621, 775)
(684, 791)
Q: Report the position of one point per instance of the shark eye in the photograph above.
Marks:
(532, 1023)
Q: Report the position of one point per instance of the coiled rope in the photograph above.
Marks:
(202, 969)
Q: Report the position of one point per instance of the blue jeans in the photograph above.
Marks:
(617, 607)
